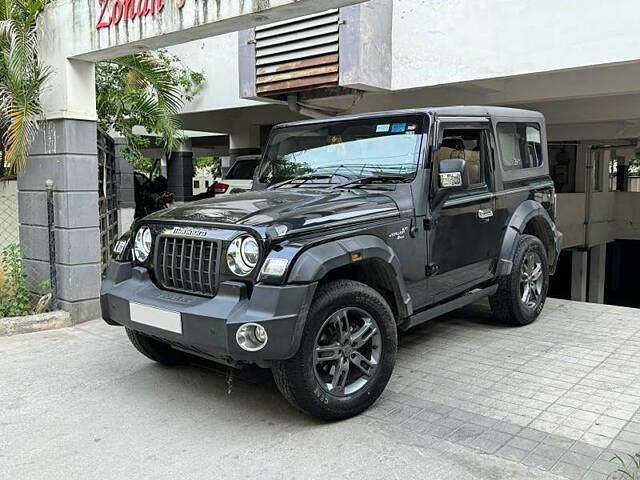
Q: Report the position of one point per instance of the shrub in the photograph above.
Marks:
(628, 468)
(15, 298)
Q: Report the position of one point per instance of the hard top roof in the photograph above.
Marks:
(454, 111)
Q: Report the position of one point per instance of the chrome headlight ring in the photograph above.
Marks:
(243, 255)
(142, 244)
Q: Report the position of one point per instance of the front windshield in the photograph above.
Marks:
(340, 151)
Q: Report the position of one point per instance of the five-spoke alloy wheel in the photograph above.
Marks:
(346, 355)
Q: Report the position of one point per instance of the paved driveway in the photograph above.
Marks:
(469, 399)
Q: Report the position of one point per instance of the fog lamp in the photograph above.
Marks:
(251, 337)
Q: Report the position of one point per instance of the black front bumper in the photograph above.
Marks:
(209, 325)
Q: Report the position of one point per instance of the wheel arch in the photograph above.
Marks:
(530, 218)
(376, 266)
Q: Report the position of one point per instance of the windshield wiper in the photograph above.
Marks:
(377, 179)
(304, 179)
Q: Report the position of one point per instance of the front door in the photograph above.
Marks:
(464, 235)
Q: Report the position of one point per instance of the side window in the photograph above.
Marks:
(464, 143)
(196, 184)
(520, 145)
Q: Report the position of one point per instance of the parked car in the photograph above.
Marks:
(356, 228)
(238, 179)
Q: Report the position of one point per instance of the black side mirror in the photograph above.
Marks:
(453, 177)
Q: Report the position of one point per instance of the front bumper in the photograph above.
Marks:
(209, 325)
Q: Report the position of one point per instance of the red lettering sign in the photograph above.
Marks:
(113, 11)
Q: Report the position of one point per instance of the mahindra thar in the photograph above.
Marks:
(356, 228)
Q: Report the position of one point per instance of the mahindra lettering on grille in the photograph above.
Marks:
(187, 264)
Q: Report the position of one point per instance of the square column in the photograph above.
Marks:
(64, 151)
(579, 275)
(180, 173)
(597, 269)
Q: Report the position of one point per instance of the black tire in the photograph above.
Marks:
(507, 303)
(298, 379)
(156, 350)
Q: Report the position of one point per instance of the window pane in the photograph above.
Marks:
(520, 145)
(466, 144)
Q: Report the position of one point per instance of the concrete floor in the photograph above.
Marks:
(469, 399)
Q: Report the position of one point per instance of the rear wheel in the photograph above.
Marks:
(521, 294)
(346, 355)
(156, 350)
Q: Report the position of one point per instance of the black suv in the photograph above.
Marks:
(356, 228)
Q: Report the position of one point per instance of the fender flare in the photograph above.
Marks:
(515, 228)
(316, 262)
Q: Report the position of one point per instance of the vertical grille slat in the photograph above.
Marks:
(187, 265)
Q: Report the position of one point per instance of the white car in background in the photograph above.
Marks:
(238, 179)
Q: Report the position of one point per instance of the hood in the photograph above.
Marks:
(302, 208)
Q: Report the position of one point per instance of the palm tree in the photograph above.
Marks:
(22, 77)
(146, 90)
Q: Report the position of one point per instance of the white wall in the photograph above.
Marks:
(438, 42)
(217, 59)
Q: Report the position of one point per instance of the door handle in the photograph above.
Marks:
(485, 213)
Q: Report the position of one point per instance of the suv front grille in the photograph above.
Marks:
(187, 265)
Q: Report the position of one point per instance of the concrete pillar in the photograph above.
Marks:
(597, 268)
(125, 190)
(180, 173)
(579, 275)
(64, 151)
(244, 140)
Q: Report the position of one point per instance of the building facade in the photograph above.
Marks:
(577, 62)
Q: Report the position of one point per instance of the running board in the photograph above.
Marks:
(433, 312)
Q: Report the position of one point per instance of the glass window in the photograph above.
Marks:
(206, 184)
(196, 184)
(464, 143)
(343, 150)
(520, 145)
(242, 170)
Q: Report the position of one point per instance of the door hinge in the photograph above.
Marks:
(431, 269)
(430, 223)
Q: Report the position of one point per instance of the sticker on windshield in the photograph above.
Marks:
(383, 127)
(398, 127)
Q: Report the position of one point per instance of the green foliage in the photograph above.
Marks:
(22, 78)
(144, 90)
(15, 298)
(212, 164)
(628, 469)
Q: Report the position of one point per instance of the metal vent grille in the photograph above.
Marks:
(187, 265)
(297, 54)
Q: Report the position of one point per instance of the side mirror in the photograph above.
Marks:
(453, 174)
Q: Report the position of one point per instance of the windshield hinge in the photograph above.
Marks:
(430, 223)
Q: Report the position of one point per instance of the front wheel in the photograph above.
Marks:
(522, 293)
(346, 355)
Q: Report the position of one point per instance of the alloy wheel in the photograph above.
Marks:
(531, 280)
(347, 351)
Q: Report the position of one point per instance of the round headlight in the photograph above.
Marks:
(142, 245)
(243, 255)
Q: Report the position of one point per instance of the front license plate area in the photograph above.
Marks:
(156, 317)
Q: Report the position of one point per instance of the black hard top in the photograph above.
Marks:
(453, 111)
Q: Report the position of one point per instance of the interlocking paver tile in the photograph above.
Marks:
(539, 461)
(569, 470)
(512, 453)
(559, 394)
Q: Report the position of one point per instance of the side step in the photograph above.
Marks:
(437, 310)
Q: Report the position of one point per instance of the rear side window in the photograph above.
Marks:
(520, 145)
(242, 170)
